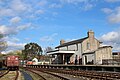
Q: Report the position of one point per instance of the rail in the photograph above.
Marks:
(61, 77)
(36, 74)
(83, 73)
(4, 73)
(17, 74)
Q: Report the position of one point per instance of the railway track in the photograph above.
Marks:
(13, 75)
(4, 73)
(94, 75)
(90, 74)
(17, 74)
(36, 74)
(47, 75)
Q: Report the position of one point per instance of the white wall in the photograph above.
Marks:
(72, 47)
(78, 51)
(103, 53)
(75, 47)
(63, 48)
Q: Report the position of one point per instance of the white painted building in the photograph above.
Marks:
(84, 51)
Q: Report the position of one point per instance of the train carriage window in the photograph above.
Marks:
(16, 58)
(8, 58)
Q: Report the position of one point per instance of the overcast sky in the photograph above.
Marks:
(46, 22)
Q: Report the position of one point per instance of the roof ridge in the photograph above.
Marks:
(72, 42)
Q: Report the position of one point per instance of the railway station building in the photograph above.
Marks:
(87, 50)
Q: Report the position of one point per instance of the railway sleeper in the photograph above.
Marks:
(116, 77)
(89, 74)
(57, 76)
(109, 78)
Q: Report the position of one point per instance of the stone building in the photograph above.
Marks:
(83, 51)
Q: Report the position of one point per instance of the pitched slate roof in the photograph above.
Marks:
(72, 42)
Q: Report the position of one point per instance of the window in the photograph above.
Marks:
(88, 45)
(16, 58)
(8, 58)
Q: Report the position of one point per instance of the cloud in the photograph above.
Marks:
(111, 38)
(18, 5)
(27, 39)
(111, 1)
(42, 3)
(15, 20)
(55, 13)
(48, 38)
(13, 30)
(23, 27)
(6, 12)
(73, 1)
(13, 43)
(40, 12)
(88, 6)
(114, 15)
(14, 8)
(12, 46)
(107, 10)
(11, 39)
(115, 18)
(54, 5)
(83, 4)
(7, 30)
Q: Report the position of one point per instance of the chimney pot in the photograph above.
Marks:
(62, 41)
(90, 34)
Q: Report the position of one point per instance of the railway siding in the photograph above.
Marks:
(11, 75)
(44, 75)
(54, 75)
(69, 77)
(3, 72)
(101, 75)
(35, 76)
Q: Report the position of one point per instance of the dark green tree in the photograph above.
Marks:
(32, 50)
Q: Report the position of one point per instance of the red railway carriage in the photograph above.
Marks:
(12, 62)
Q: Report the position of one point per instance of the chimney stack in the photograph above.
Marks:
(90, 34)
(62, 42)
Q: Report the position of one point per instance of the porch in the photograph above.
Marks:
(60, 57)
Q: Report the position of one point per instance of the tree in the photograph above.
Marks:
(31, 50)
(3, 44)
(47, 49)
(19, 53)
